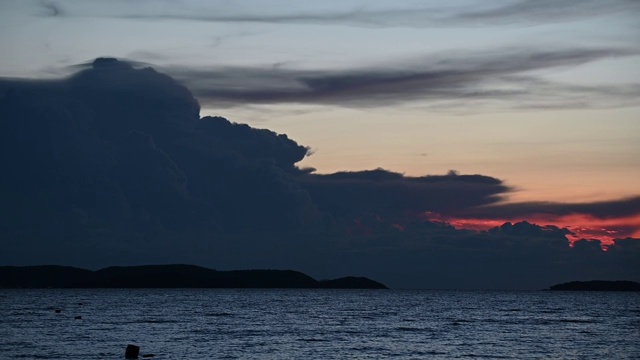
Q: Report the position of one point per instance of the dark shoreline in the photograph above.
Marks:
(169, 276)
(597, 285)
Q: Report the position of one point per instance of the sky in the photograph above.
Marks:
(542, 94)
(475, 113)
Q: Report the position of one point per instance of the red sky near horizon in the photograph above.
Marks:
(582, 226)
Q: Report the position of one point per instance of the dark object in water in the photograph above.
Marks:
(58, 311)
(148, 355)
(132, 352)
(78, 317)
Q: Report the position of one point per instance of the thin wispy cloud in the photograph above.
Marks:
(366, 14)
(465, 81)
(504, 78)
(546, 11)
(600, 209)
(51, 9)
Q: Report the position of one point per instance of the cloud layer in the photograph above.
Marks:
(370, 14)
(113, 165)
(468, 80)
(504, 78)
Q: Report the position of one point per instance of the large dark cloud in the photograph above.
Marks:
(113, 165)
(393, 195)
(115, 147)
(502, 78)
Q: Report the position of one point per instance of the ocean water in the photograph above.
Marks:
(318, 324)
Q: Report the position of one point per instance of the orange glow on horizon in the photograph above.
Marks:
(582, 226)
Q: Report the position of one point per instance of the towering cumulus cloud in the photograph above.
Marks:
(113, 165)
(116, 157)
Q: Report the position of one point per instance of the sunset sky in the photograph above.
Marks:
(542, 95)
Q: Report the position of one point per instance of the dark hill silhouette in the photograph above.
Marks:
(351, 282)
(168, 276)
(597, 285)
(42, 276)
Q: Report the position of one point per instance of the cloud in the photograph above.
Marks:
(435, 255)
(114, 166)
(546, 11)
(124, 147)
(503, 78)
(392, 195)
(605, 221)
(461, 82)
(367, 15)
(51, 9)
(599, 209)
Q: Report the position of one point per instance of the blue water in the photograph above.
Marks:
(318, 324)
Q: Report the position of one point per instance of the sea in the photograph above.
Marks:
(318, 324)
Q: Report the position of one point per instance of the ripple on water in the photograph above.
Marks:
(276, 324)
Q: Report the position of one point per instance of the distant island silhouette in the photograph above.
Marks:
(169, 276)
(597, 285)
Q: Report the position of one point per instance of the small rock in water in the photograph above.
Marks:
(132, 352)
(58, 311)
(78, 317)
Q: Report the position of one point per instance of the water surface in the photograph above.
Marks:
(318, 324)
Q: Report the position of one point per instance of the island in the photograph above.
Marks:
(169, 276)
(597, 285)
